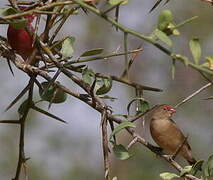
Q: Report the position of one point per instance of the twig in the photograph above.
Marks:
(134, 140)
(193, 94)
(126, 75)
(10, 121)
(22, 158)
(105, 144)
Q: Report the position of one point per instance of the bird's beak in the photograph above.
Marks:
(172, 110)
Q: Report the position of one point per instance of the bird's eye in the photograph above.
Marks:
(165, 108)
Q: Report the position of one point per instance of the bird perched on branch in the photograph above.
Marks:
(19, 39)
(167, 134)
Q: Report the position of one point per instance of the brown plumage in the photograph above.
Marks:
(166, 133)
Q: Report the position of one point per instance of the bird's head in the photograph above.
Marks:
(163, 111)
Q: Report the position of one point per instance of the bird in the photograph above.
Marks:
(167, 134)
(20, 40)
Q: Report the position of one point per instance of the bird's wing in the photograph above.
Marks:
(187, 144)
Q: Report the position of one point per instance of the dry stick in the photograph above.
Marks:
(10, 121)
(105, 145)
(126, 75)
(130, 83)
(193, 94)
(132, 142)
(22, 158)
(60, 25)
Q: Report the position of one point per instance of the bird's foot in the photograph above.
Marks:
(168, 156)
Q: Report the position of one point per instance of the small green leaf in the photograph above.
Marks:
(168, 176)
(164, 19)
(19, 23)
(67, 47)
(185, 170)
(184, 58)
(7, 11)
(52, 94)
(208, 167)
(88, 76)
(114, 2)
(121, 152)
(143, 106)
(92, 52)
(16, 23)
(106, 87)
(196, 167)
(209, 59)
(23, 107)
(121, 126)
(163, 37)
(195, 49)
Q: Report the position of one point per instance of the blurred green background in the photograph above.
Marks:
(73, 151)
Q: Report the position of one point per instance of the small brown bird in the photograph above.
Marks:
(166, 133)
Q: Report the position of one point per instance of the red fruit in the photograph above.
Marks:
(20, 40)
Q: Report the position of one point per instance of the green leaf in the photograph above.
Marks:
(163, 37)
(196, 167)
(52, 94)
(16, 23)
(121, 126)
(92, 52)
(106, 87)
(185, 170)
(67, 47)
(184, 58)
(143, 106)
(114, 2)
(195, 49)
(121, 152)
(168, 176)
(209, 59)
(208, 167)
(164, 19)
(23, 107)
(7, 11)
(19, 23)
(88, 76)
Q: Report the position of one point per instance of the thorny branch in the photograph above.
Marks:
(94, 101)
